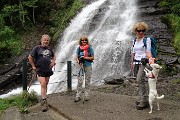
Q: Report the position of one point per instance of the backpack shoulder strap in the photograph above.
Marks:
(134, 41)
(144, 41)
(89, 49)
(79, 50)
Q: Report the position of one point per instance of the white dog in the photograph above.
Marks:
(152, 79)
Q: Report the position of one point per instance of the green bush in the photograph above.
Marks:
(63, 16)
(22, 101)
(177, 42)
(172, 19)
(176, 81)
(10, 43)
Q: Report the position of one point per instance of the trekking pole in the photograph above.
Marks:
(83, 85)
(33, 78)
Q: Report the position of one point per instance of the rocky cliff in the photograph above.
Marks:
(150, 12)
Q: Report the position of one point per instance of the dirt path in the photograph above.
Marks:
(111, 106)
(101, 106)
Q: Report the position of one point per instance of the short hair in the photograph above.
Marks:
(83, 38)
(140, 25)
(46, 35)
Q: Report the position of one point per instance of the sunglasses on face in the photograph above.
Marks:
(84, 40)
(141, 30)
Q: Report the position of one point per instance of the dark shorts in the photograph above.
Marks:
(44, 74)
(43, 67)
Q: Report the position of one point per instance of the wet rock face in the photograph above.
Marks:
(151, 13)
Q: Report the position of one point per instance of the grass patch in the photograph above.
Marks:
(175, 81)
(22, 101)
(173, 21)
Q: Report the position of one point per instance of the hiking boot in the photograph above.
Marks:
(141, 105)
(44, 105)
(86, 96)
(77, 97)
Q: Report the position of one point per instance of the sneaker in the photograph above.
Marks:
(77, 97)
(44, 105)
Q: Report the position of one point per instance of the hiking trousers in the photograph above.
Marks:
(142, 83)
(88, 73)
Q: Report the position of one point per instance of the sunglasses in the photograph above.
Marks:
(141, 30)
(84, 40)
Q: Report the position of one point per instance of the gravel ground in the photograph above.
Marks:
(107, 102)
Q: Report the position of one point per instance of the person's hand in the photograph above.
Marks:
(151, 60)
(81, 60)
(52, 64)
(34, 68)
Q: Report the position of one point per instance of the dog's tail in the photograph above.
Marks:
(160, 97)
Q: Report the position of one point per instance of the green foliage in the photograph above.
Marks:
(63, 16)
(18, 12)
(18, 17)
(170, 70)
(177, 42)
(172, 5)
(10, 44)
(175, 81)
(173, 20)
(174, 23)
(22, 101)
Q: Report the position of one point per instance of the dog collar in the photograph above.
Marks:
(152, 75)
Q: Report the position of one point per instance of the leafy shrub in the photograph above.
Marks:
(176, 81)
(22, 101)
(172, 19)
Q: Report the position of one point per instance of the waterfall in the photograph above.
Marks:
(107, 23)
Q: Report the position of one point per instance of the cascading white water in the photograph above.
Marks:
(107, 23)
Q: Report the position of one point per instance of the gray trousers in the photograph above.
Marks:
(88, 73)
(140, 77)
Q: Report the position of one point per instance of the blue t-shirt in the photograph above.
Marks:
(81, 53)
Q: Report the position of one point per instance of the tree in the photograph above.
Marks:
(31, 4)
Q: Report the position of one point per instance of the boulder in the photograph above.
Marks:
(114, 79)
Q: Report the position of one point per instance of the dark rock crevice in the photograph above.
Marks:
(11, 73)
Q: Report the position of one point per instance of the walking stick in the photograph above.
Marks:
(32, 78)
(84, 82)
